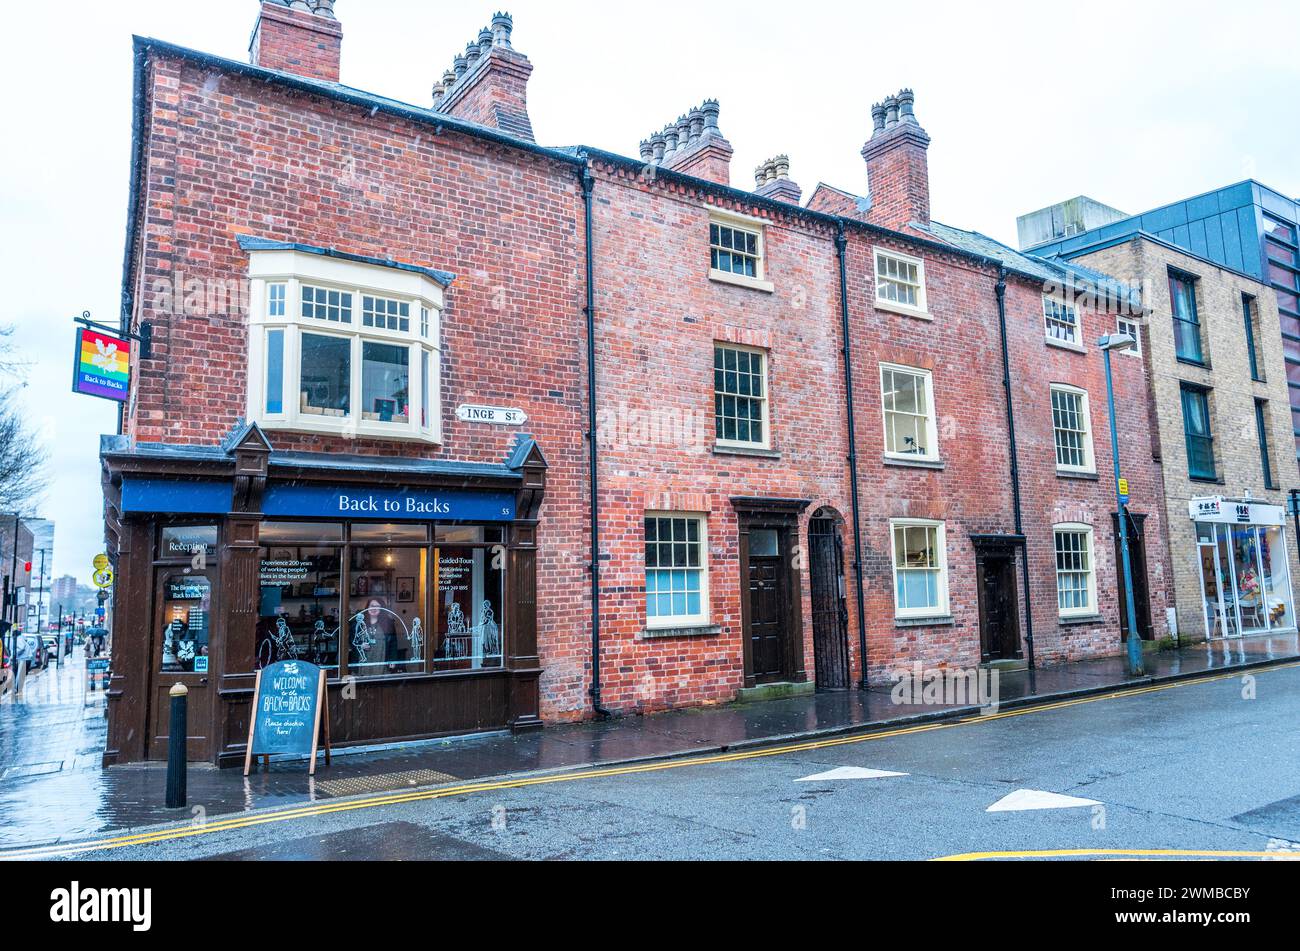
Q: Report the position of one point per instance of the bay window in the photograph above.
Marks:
(343, 346)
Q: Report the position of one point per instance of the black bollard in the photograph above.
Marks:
(176, 749)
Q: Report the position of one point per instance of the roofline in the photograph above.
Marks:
(249, 242)
(1155, 239)
(577, 157)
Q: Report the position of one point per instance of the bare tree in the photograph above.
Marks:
(22, 457)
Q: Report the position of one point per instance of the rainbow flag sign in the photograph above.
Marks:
(101, 365)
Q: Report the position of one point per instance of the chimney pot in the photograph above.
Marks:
(658, 143)
(472, 53)
(484, 41)
(502, 27)
(891, 112)
(300, 5)
(877, 119)
(459, 65)
(325, 8)
(711, 110)
(647, 151)
(906, 102)
(670, 140)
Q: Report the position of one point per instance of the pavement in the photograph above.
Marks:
(53, 793)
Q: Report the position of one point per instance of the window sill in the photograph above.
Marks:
(903, 309)
(361, 430)
(740, 280)
(691, 630)
(1206, 480)
(1076, 474)
(905, 462)
(722, 449)
(1065, 345)
(1080, 619)
(1199, 364)
(939, 620)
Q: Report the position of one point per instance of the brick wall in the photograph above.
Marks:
(1232, 398)
(229, 156)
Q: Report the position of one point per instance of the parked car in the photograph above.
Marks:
(51, 644)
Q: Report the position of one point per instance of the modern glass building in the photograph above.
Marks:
(1247, 227)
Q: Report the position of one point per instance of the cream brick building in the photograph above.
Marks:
(1221, 430)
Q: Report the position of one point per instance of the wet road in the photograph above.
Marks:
(1209, 766)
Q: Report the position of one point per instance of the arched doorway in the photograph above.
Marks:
(830, 612)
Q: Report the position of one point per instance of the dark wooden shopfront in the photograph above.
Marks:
(208, 614)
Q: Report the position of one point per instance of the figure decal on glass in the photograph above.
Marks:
(171, 635)
(416, 637)
(457, 643)
(362, 639)
(491, 633)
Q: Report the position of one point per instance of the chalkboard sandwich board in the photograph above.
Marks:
(289, 706)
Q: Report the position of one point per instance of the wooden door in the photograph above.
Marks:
(1137, 551)
(999, 617)
(767, 614)
(182, 651)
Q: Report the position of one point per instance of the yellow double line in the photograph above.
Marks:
(246, 821)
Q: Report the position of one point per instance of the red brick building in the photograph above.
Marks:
(398, 351)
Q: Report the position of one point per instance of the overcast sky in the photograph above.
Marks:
(1132, 103)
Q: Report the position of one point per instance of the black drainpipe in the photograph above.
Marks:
(1015, 462)
(840, 245)
(590, 310)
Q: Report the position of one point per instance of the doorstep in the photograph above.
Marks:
(780, 691)
(1006, 665)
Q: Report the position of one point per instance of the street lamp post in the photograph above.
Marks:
(1108, 343)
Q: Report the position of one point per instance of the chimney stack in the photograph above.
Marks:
(692, 145)
(898, 171)
(772, 180)
(298, 36)
(488, 83)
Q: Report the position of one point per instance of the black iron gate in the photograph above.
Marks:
(830, 613)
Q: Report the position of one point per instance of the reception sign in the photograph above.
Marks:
(289, 705)
(101, 365)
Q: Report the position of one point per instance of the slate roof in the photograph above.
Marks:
(1031, 265)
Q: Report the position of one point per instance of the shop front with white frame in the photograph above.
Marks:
(1244, 567)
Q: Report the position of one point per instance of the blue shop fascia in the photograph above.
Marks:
(410, 581)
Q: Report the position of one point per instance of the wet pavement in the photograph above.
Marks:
(53, 790)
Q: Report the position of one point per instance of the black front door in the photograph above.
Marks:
(999, 616)
(766, 619)
(830, 615)
(1137, 551)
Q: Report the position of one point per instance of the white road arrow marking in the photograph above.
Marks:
(849, 772)
(1023, 800)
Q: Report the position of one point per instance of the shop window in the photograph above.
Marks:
(676, 571)
(330, 353)
(1072, 430)
(920, 568)
(1245, 579)
(740, 396)
(1076, 575)
(470, 597)
(387, 602)
(298, 613)
(187, 617)
(908, 398)
(385, 629)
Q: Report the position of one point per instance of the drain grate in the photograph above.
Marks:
(382, 782)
